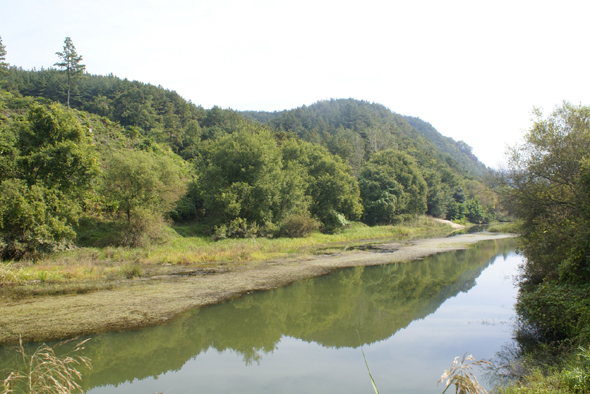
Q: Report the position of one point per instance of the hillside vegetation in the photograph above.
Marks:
(127, 159)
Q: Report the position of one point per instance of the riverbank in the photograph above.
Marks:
(145, 302)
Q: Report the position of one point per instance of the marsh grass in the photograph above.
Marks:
(45, 372)
(186, 249)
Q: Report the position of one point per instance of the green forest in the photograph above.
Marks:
(94, 160)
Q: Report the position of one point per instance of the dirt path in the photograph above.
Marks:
(148, 302)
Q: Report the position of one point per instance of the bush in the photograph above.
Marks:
(238, 228)
(561, 309)
(34, 220)
(131, 271)
(299, 225)
(333, 222)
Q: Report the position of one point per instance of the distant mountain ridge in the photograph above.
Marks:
(458, 149)
(328, 120)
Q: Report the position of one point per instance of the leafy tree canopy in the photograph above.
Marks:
(548, 185)
(392, 185)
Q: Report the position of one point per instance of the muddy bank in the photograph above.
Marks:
(147, 302)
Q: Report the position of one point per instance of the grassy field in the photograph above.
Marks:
(86, 269)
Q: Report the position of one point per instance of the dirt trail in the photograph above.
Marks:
(148, 302)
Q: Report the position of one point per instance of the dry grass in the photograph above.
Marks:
(461, 376)
(45, 372)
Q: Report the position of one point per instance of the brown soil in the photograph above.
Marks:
(142, 303)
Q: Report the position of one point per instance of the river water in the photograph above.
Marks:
(412, 319)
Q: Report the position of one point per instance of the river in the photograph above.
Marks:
(412, 318)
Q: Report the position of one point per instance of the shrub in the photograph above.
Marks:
(238, 228)
(299, 225)
(131, 271)
(333, 222)
(34, 220)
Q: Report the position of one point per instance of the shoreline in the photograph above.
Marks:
(143, 303)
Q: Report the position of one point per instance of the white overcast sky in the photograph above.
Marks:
(473, 69)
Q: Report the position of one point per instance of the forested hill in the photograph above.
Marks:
(165, 116)
(459, 150)
(338, 124)
(127, 157)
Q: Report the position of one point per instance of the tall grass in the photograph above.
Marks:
(199, 252)
(43, 372)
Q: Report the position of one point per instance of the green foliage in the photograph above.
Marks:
(545, 304)
(461, 153)
(131, 271)
(244, 179)
(46, 166)
(56, 150)
(333, 191)
(357, 130)
(33, 220)
(3, 64)
(298, 225)
(391, 185)
(476, 213)
(8, 152)
(142, 186)
(547, 185)
(154, 111)
(237, 228)
(573, 377)
(577, 375)
(243, 170)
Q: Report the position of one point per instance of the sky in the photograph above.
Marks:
(473, 69)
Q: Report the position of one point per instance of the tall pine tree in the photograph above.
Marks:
(70, 64)
(3, 64)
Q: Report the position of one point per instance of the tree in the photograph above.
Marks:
(70, 63)
(34, 219)
(3, 64)
(391, 185)
(142, 186)
(56, 150)
(246, 185)
(548, 185)
(333, 191)
(46, 165)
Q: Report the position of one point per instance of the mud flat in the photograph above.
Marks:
(142, 303)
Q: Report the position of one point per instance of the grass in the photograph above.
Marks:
(87, 268)
(571, 376)
(45, 372)
(507, 227)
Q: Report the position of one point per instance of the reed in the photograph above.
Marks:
(43, 372)
(461, 376)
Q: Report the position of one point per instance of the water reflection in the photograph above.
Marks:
(325, 311)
